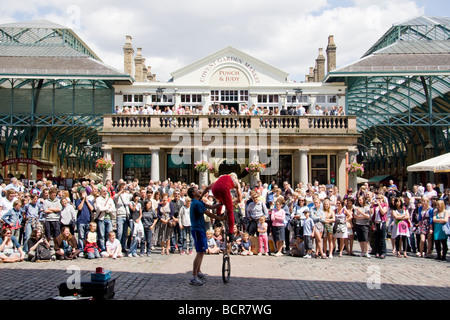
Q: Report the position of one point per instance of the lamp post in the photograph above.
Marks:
(72, 156)
(298, 92)
(429, 150)
(159, 94)
(36, 149)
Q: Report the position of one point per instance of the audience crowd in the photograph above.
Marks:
(125, 219)
(221, 109)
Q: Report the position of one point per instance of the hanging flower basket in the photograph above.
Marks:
(255, 167)
(202, 166)
(103, 163)
(355, 168)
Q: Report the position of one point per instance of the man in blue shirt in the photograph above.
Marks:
(197, 211)
(85, 208)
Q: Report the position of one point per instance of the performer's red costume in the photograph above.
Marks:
(221, 191)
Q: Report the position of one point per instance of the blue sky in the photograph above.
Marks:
(173, 33)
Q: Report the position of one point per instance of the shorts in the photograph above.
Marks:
(308, 242)
(200, 240)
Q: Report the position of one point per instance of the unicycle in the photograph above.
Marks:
(226, 264)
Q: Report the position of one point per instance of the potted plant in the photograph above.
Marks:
(202, 166)
(355, 168)
(104, 164)
(255, 167)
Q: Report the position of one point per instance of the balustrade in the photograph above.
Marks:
(289, 123)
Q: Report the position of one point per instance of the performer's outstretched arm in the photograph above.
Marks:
(205, 191)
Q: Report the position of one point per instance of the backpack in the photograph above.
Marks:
(43, 253)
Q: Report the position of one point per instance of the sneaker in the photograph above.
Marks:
(149, 254)
(331, 256)
(367, 255)
(308, 256)
(190, 252)
(135, 255)
(183, 253)
(260, 254)
(195, 281)
(202, 275)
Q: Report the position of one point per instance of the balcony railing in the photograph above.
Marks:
(121, 123)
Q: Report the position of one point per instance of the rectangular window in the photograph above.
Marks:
(267, 98)
(185, 98)
(138, 98)
(214, 95)
(197, 98)
(244, 95)
(321, 99)
(137, 166)
(178, 171)
(127, 98)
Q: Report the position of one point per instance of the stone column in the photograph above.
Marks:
(304, 171)
(155, 164)
(342, 173)
(107, 152)
(352, 178)
(253, 156)
(203, 176)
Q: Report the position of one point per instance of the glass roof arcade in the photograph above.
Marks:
(400, 88)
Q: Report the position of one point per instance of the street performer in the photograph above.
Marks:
(221, 190)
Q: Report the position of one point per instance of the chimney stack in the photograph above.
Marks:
(144, 70)
(138, 65)
(331, 54)
(320, 61)
(311, 74)
(128, 53)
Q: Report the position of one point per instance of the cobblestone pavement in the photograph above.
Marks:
(166, 277)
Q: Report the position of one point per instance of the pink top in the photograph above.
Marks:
(278, 218)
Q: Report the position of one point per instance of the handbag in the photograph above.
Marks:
(172, 223)
(446, 228)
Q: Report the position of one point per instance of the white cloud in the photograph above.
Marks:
(172, 34)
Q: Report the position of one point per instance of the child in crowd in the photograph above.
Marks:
(13, 219)
(236, 238)
(90, 243)
(297, 247)
(308, 233)
(246, 245)
(185, 226)
(113, 247)
(219, 238)
(263, 237)
(212, 246)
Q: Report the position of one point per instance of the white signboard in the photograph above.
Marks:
(229, 77)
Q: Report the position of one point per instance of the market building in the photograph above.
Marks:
(299, 148)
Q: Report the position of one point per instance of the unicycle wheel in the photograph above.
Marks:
(226, 269)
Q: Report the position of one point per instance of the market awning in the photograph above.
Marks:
(437, 164)
(377, 179)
